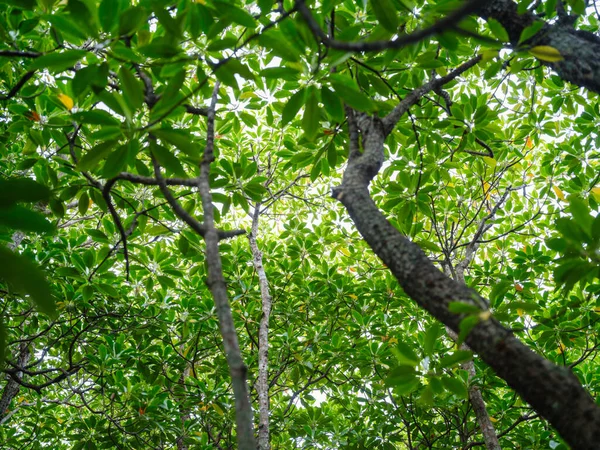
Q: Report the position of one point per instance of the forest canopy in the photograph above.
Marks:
(299, 224)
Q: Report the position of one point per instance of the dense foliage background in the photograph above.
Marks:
(494, 174)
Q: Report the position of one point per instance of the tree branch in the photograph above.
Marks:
(218, 288)
(448, 22)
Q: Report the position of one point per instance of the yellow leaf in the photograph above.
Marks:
(488, 55)
(493, 419)
(486, 189)
(393, 340)
(485, 315)
(352, 296)
(561, 347)
(520, 312)
(596, 193)
(345, 251)
(529, 143)
(558, 193)
(66, 100)
(202, 2)
(546, 53)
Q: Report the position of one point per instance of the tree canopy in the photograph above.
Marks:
(299, 224)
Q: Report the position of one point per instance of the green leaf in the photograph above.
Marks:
(531, 31)
(57, 207)
(222, 44)
(15, 190)
(26, 278)
(279, 45)
(386, 14)
(349, 93)
(235, 14)
(463, 308)
(131, 20)
(93, 76)
(498, 30)
(180, 139)
(116, 162)
(170, 96)
(57, 62)
(333, 105)
(458, 357)
(200, 19)
(498, 291)
(405, 354)
(132, 89)
(161, 47)
(95, 117)
(171, 25)
(455, 386)
(431, 337)
(403, 379)
(167, 160)
(22, 4)
(265, 6)
(401, 374)
(465, 327)
(83, 204)
(91, 159)
(332, 154)
(2, 341)
(108, 14)
(292, 107)
(24, 219)
(581, 213)
(255, 191)
(311, 118)
(64, 24)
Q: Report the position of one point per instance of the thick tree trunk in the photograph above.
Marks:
(553, 391)
(580, 49)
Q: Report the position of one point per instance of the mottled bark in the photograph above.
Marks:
(490, 438)
(553, 391)
(218, 288)
(216, 281)
(580, 49)
(12, 386)
(183, 411)
(262, 384)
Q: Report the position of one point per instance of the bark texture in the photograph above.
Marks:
(262, 385)
(218, 288)
(490, 437)
(13, 387)
(553, 391)
(580, 49)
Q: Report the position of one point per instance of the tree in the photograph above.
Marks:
(149, 137)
